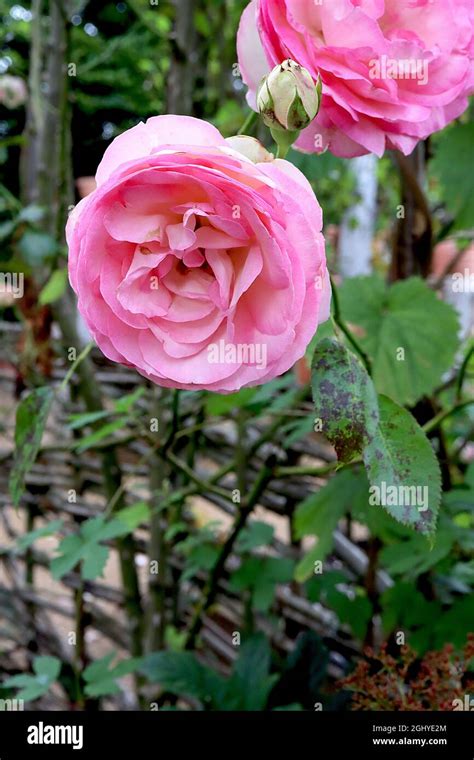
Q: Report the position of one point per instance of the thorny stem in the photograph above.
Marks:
(203, 485)
(157, 552)
(210, 592)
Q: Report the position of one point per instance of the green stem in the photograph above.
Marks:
(442, 416)
(337, 316)
(249, 123)
(273, 429)
(203, 485)
(210, 591)
(462, 372)
(241, 453)
(284, 140)
(282, 472)
(158, 549)
(80, 652)
(85, 352)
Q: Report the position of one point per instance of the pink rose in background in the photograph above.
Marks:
(393, 71)
(199, 267)
(13, 91)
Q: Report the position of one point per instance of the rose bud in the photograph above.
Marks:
(288, 99)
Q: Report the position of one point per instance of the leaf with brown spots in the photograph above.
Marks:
(31, 416)
(401, 463)
(345, 399)
(401, 466)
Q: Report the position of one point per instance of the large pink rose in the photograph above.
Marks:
(393, 71)
(194, 264)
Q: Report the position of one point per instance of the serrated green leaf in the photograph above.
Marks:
(71, 553)
(134, 515)
(94, 561)
(47, 666)
(410, 335)
(28, 539)
(399, 457)
(250, 681)
(101, 678)
(32, 686)
(85, 547)
(255, 534)
(453, 165)
(180, 673)
(99, 669)
(261, 575)
(411, 557)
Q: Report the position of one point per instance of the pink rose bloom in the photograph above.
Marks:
(198, 266)
(393, 71)
(13, 92)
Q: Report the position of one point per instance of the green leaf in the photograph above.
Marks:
(180, 673)
(6, 229)
(201, 557)
(261, 575)
(410, 335)
(400, 463)
(85, 547)
(456, 624)
(32, 686)
(124, 404)
(133, 516)
(99, 669)
(319, 514)
(78, 421)
(412, 558)
(95, 562)
(31, 416)
(295, 430)
(453, 164)
(31, 214)
(47, 666)
(54, 288)
(217, 404)
(27, 539)
(71, 549)
(255, 534)
(344, 398)
(101, 678)
(247, 688)
(404, 607)
(98, 435)
(250, 682)
(354, 611)
(37, 247)
(399, 457)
